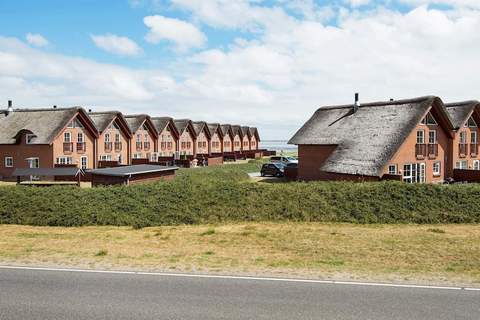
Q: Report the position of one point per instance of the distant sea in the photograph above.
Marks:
(277, 145)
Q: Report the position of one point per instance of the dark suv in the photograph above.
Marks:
(272, 169)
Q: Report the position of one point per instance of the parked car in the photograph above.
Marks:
(283, 159)
(273, 169)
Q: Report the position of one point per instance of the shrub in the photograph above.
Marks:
(225, 194)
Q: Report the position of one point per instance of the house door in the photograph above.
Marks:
(34, 163)
(419, 170)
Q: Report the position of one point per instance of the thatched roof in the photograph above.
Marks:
(254, 132)
(459, 112)
(245, 131)
(237, 130)
(161, 123)
(367, 139)
(200, 126)
(181, 125)
(45, 124)
(135, 121)
(215, 128)
(103, 119)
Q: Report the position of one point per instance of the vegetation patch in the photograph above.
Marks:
(225, 194)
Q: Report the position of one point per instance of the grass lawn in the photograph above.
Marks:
(439, 254)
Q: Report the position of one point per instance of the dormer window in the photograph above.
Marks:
(29, 138)
(471, 123)
(429, 120)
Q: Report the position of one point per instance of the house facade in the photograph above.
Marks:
(186, 137)
(464, 146)
(254, 138)
(167, 140)
(113, 143)
(202, 137)
(405, 140)
(237, 138)
(227, 137)
(245, 138)
(216, 138)
(144, 136)
(34, 138)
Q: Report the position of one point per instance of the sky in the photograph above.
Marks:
(264, 63)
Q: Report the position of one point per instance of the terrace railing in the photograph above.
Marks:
(433, 150)
(139, 145)
(118, 146)
(146, 145)
(67, 147)
(81, 147)
(108, 146)
(420, 150)
(473, 149)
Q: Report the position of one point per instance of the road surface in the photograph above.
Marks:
(56, 294)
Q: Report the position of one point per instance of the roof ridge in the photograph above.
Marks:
(461, 103)
(43, 109)
(379, 103)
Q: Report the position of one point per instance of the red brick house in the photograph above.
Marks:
(245, 138)
(42, 138)
(216, 138)
(227, 137)
(144, 136)
(237, 138)
(254, 138)
(404, 139)
(115, 136)
(167, 140)
(187, 137)
(202, 137)
(464, 146)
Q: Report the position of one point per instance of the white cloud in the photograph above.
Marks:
(277, 76)
(116, 44)
(36, 40)
(185, 35)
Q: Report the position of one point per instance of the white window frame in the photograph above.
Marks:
(65, 135)
(429, 120)
(462, 164)
(421, 138)
(476, 164)
(437, 168)
(139, 138)
(31, 161)
(137, 155)
(117, 137)
(416, 173)
(28, 138)
(64, 160)
(393, 169)
(432, 133)
(80, 137)
(106, 157)
(7, 160)
(84, 162)
(471, 123)
(107, 137)
(473, 137)
(463, 137)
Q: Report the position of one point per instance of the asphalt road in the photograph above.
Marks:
(40, 294)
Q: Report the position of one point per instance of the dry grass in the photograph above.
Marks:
(432, 254)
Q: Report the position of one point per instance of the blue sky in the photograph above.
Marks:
(263, 63)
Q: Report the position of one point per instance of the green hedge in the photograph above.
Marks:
(225, 194)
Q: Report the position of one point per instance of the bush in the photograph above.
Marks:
(225, 194)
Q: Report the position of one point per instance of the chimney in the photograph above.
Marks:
(54, 107)
(89, 110)
(357, 103)
(391, 100)
(10, 107)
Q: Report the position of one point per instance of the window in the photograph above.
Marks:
(471, 123)
(33, 162)
(64, 160)
(432, 136)
(473, 137)
(392, 169)
(429, 119)
(75, 124)
(106, 157)
(420, 137)
(83, 162)
(189, 145)
(8, 162)
(476, 164)
(80, 137)
(437, 168)
(29, 138)
(414, 173)
(461, 164)
(139, 138)
(137, 156)
(66, 137)
(463, 137)
(107, 138)
(117, 137)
